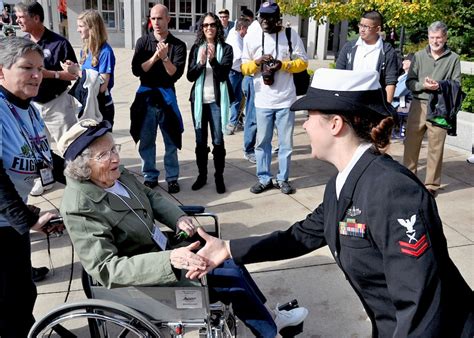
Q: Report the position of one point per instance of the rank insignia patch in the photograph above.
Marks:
(416, 249)
(351, 228)
(415, 246)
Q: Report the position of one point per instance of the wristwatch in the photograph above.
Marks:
(56, 75)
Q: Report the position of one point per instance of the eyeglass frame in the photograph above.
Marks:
(366, 27)
(209, 25)
(107, 155)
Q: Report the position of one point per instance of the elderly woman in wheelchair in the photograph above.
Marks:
(110, 217)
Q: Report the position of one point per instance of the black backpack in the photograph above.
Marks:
(300, 79)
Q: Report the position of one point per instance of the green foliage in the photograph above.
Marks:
(468, 88)
(414, 47)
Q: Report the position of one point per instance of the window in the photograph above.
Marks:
(108, 13)
(185, 13)
(106, 9)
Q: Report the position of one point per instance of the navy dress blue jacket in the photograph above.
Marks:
(386, 236)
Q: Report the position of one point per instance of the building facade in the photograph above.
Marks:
(126, 20)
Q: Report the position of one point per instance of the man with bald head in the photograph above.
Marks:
(159, 62)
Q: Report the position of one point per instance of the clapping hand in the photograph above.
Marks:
(211, 51)
(162, 50)
(215, 252)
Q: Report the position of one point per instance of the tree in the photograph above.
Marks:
(396, 13)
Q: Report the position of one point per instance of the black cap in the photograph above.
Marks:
(80, 136)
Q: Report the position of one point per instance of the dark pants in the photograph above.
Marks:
(17, 290)
(230, 283)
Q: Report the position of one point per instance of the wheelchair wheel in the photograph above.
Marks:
(94, 318)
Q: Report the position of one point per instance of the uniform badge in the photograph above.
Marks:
(415, 246)
(351, 228)
(353, 211)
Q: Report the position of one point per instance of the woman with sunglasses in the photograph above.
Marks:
(209, 64)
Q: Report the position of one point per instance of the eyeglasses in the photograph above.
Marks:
(365, 27)
(209, 25)
(105, 156)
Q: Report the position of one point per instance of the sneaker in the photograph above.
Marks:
(293, 317)
(470, 159)
(150, 184)
(173, 187)
(38, 274)
(250, 157)
(260, 187)
(38, 188)
(275, 151)
(285, 187)
(229, 129)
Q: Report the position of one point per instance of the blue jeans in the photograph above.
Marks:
(284, 120)
(147, 148)
(250, 126)
(235, 79)
(211, 115)
(231, 283)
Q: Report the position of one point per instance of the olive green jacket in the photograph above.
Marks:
(113, 245)
(446, 67)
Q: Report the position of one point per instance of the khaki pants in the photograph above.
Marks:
(58, 114)
(416, 128)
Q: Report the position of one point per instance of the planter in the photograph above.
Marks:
(465, 130)
(467, 67)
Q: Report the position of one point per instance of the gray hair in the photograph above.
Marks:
(31, 7)
(79, 168)
(438, 26)
(12, 48)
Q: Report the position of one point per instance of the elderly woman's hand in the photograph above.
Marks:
(186, 224)
(184, 258)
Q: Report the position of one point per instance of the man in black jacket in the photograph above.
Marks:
(159, 61)
(370, 52)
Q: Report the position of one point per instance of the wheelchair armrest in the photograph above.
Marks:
(191, 210)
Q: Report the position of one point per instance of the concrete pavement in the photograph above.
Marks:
(314, 279)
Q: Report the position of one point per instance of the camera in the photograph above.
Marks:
(268, 72)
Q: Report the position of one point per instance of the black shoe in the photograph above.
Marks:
(220, 186)
(173, 187)
(200, 182)
(260, 187)
(38, 274)
(151, 184)
(285, 187)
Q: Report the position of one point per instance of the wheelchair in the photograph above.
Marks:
(142, 311)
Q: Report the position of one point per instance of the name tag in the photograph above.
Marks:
(46, 173)
(160, 239)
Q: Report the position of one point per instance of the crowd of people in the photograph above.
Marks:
(49, 96)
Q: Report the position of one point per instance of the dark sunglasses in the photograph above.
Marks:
(210, 25)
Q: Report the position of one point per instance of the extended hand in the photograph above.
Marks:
(215, 252)
(184, 258)
(430, 84)
(40, 224)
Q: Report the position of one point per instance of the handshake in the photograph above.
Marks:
(269, 66)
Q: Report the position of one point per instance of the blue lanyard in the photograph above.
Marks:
(24, 130)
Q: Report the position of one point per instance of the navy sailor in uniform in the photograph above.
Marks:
(378, 219)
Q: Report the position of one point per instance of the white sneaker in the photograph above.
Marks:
(250, 157)
(293, 317)
(470, 159)
(38, 188)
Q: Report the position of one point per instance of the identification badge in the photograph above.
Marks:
(45, 172)
(160, 239)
